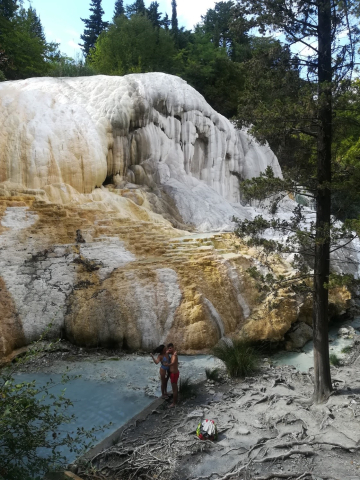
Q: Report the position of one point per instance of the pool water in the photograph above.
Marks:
(305, 359)
(112, 391)
(115, 390)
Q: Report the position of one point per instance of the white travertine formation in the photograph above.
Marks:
(104, 265)
(149, 129)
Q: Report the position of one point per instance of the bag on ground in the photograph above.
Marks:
(207, 430)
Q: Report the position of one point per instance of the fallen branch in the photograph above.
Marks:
(260, 443)
(225, 477)
(338, 445)
(263, 399)
(298, 476)
(285, 456)
(231, 449)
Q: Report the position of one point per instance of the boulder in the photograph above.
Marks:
(298, 336)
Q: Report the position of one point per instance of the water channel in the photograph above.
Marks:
(114, 390)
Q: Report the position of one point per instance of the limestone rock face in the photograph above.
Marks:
(147, 129)
(106, 277)
(113, 193)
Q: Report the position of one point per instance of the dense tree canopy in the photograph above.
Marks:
(24, 51)
(132, 45)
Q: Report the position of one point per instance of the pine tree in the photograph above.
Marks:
(154, 15)
(36, 27)
(119, 8)
(166, 22)
(174, 19)
(93, 27)
(136, 8)
(8, 8)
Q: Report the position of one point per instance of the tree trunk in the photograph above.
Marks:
(322, 377)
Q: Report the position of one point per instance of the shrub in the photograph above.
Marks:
(240, 358)
(186, 388)
(334, 360)
(67, 67)
(346, 349)
(212, 374)
(31, 417)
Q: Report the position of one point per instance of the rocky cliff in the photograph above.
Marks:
(102, 179)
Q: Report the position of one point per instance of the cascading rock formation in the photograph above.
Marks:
(101, 181)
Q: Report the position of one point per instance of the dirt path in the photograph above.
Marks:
(266, 430)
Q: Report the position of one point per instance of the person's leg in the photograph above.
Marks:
(174, 386)
(166, 384)
(163, 382)
(175, 393)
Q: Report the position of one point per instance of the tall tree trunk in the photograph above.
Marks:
(322, 377)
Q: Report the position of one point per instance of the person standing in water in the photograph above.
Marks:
(174, 372)
(165, 359)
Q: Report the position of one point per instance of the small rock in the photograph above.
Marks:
(73, 468)
(195, 413)
(343, 331)
(242, 431)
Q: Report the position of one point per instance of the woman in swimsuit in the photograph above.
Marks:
(163, 358)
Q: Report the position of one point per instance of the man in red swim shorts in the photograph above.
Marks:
(174, 372)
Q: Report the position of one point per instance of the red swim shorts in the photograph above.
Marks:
(174, 377)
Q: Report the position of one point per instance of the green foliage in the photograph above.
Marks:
(154, 15)
(334, 360)
(94, 25)
(213, 374)
(187, 389)
(240, 358)
(281, 105)
(266, 186)
(136, 8)
(208, 58)
(24, 51)
(264, 283)
(174, 19)
(341, 280)
(346, 147)
(133, 46)
(277, 105)
(8, 8)
(209, 70)
(30, 419)
(119, 8)
(346, 350)
(228, 28)
(68, 67)
(296, 236)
